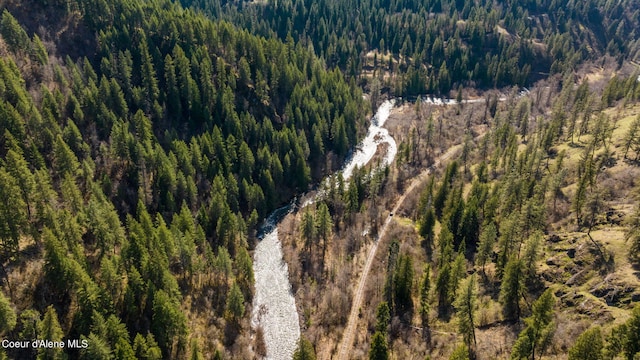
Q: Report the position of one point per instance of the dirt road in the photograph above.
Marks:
(352, 322)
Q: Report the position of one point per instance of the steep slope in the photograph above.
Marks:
(436, 46)
(140, 145)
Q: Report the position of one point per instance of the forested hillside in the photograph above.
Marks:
(143, 142)
(504, 230)
(140, 145)
(433, 46)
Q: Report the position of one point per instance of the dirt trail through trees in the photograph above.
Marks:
(352, 322)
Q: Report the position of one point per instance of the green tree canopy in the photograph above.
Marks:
(588, 346)
(8, 317)
(304, 351)
(539, 329)
(379, 349)
(50, 329)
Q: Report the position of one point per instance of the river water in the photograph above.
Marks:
(376, 135)
(274, 306)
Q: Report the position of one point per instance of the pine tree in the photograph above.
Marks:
(235, 304)
(8, 318)
(98, 350)
(588, 346)
(487, 240)
(308, 229)
(390, 285)
(245, 278)
(123, 350)
(631, 137)
(425, 306)
(460, 353)
(39, 52)
(304, 351)
(383, 317)
(13, 215)
(531, 253)
(324, 225)
(149, 79)
(352, 196)
(339, 136)
(403, 280)
(445, 272)
(168, 322)
(174, 107)
(146, 348)
(512, 289)
(450, 176)
(426, 226)
(50, 329)
(18, 168)
(196, 354)
(466, 307)
(13, 34)
(458, 273)
(379, 349)
(29, 320)
(65, 161)
(632, 234)
(539, 329)
(443, 283)
(470, 225)
(631, 343)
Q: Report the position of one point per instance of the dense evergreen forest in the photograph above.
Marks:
(141, 144)
(433, 46)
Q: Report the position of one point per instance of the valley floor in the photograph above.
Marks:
(588, 270)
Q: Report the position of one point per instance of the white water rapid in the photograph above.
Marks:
(274, 307)
(375, 136)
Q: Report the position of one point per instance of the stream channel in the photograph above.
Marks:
(274, 306)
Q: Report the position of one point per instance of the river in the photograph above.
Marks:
(274, 306)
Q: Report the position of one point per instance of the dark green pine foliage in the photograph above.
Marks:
(15, 36)
(466, 307)
(383, 317)
(443, 285)
(13, 215)
(390, 281)
(441, 196)
(512, 289)
(425, 304)
(139, 170)
(168, 323)
(304, 351)
(379, 349)
(438, 45)
(426, 226)
(588, 346)
(403, 283)
(537, 334)
(7, 315)
(49, 328)
(631, 342)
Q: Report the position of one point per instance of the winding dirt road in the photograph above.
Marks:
(352, 323)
